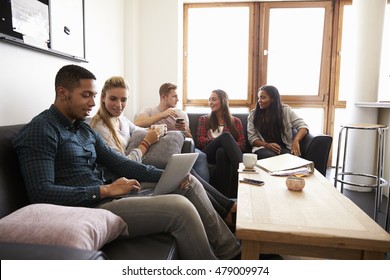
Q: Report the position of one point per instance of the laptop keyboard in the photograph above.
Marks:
(144, 192)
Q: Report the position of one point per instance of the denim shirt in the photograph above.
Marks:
(59, 159)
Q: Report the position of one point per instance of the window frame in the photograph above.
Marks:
(258, 42)
(338, 57)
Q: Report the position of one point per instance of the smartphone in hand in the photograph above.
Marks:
(179, 120)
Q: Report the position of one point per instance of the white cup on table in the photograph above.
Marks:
(249, 160)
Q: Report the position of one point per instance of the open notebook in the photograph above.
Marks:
(285, 165)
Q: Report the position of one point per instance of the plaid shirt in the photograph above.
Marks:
(203, 135)
(58, 160)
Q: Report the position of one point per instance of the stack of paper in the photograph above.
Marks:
(286, 165)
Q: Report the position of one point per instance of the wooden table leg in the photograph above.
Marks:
(250, 250)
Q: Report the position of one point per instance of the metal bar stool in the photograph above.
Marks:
(378, 177)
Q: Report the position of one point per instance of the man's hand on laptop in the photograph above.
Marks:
(185, 184)
(119, 187)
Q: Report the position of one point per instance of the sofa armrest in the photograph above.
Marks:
(22, 251)
(316, 147)
(188, 146)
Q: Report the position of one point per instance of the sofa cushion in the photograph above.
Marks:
(76, 227)
(160, 152)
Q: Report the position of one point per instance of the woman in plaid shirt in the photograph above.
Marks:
(221, 136)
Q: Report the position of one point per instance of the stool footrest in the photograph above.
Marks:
(382, 183)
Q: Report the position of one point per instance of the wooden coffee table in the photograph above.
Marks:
(317, 222)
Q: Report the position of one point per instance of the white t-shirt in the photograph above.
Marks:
(170, 121)
(217, 132)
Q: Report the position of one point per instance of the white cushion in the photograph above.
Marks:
(77, 227)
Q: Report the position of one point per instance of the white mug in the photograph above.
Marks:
(178, 111)
(161, 129)
(249, 160)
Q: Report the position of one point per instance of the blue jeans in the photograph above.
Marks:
(201, 166)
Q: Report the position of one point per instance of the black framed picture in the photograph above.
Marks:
(54, 27)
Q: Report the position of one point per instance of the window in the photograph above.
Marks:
(294, 49)
(217, 51)
(239, 47)
(304, 49)
(347, 53)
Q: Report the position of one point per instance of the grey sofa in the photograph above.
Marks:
(13, 196)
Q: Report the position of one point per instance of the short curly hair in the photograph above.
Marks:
(69, 76)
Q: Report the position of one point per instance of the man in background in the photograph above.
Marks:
(175, 119)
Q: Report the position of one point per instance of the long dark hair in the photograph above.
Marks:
(227, 116)
(269, 121)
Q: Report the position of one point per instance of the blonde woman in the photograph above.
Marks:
(115, 128)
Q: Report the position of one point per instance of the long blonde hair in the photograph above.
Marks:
(103, 114)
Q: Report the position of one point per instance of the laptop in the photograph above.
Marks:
(179, 166)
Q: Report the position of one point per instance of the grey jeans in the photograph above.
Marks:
(188, 215)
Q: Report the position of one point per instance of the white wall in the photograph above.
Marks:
(27, 76)
(105, 38)
(155, 27)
